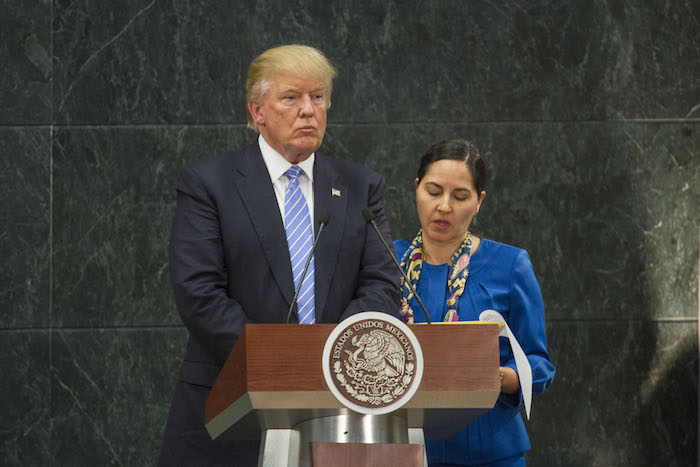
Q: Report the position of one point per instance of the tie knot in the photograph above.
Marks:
(293, 172)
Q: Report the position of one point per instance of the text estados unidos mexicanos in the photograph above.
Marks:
(374, 324)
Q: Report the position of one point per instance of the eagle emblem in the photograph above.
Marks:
(376, 371)
(378, 352)
(372, 363)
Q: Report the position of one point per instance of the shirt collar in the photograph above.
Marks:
(277, 165)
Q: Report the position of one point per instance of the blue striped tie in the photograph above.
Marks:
(300, 237)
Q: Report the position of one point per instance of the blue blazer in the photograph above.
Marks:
(229, 260)
(500, 278)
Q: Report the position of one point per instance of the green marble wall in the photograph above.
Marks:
(587, 113)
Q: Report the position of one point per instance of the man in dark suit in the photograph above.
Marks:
(242, 233)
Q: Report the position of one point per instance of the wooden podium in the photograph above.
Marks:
(272, 388)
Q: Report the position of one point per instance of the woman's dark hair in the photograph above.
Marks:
(456, 150)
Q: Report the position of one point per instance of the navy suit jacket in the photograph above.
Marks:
(229, 261)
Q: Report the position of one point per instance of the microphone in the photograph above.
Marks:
(369, 217)
(323, 221)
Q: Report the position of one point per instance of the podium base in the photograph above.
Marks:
(292, 447)
(366, 455)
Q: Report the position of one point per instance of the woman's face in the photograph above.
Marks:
(447, 201)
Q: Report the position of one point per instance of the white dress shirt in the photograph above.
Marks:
(278, 165)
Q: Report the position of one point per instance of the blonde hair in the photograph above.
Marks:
(300, 60)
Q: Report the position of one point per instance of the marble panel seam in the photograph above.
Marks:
(93, 328)
(170, 327)
(434, 123)
(119, 126)
(64, 127)
(22, 126)
(623, 320)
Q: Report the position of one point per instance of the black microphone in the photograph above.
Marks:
(324, 219)
(369, 217)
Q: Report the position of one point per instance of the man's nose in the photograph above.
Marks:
(306, 108)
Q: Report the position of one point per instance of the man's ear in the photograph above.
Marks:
(256, 111)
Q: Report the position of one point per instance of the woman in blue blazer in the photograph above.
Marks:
(458, 275)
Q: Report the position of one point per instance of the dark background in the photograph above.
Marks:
(587, 113)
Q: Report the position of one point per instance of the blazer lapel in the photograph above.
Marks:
(254, 185)
(330, 195)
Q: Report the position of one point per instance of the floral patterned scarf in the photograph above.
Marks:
(412, 264)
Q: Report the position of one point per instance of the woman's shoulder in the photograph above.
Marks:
(491, 251)
(400, 247)
(501, 248)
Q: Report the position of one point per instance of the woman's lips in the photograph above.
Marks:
(441, 224)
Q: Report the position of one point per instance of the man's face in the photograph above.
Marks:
(292, 115)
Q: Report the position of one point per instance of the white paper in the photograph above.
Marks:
(521, 361)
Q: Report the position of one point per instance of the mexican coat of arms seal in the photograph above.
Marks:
(372, 363)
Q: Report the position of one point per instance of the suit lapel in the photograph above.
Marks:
(258, 195)
(330, 195)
